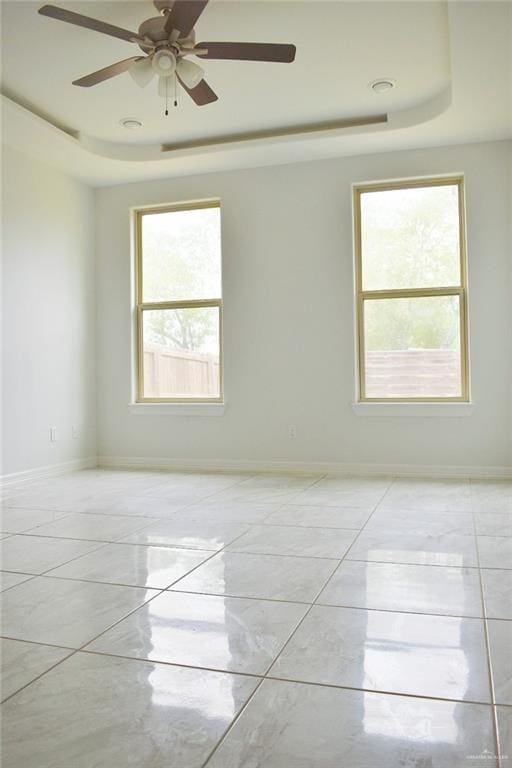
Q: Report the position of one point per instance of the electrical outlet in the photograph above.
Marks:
(292, 431)
(75, 432)
(53, 434)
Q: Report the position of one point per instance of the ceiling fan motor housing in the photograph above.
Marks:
(154, 30)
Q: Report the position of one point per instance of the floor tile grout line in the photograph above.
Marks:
(14, 693)
(120, 541)
(393, 481)
(74, 538)
(211, 498)
(33, 527)
(280, 554)
(234, 521)
(490, 671)
(244, 597)
(252, 525)
(232, 723)
(400, 610)
(170, 588)
(261, 676)
(37, 642)
(376, 530)
(380, 692)
(72, 560)
(421, 565)
(266, 676)
(50, 573)
(18, 573)
(178, 547)
(166, 663)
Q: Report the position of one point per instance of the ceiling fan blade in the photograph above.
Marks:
(249, 51)
(105, 74)
(202, 94)
(184, 15)
(85, 21)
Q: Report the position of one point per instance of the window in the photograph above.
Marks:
(179, 303)
(411, 291)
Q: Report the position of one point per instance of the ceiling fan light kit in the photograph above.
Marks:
(190, 73)
(165, 42)
(163, 62)
(142, 72)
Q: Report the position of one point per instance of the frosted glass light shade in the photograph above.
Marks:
(190, 72)
(164, 63)
(142, 71)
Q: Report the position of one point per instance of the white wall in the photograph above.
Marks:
(289, 340)
(48, 365)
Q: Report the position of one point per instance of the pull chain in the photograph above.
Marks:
(167, 94)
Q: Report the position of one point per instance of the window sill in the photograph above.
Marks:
(177, 409)
(411, 410)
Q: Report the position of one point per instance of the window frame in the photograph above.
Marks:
(401, 293)
(141, 306)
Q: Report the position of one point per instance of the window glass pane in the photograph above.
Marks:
(412, 347)
(181, 255)
(181, 353)
(410, 238)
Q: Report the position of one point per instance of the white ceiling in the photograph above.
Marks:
(451, 63)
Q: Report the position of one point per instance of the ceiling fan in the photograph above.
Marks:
(167, 40)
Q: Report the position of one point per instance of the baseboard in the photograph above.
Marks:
(247, 465)
(303, 467)
(48, 471)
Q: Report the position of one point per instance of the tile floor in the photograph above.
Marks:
(181, 620)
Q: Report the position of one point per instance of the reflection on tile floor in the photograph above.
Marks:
(286, 725)
(345, 618)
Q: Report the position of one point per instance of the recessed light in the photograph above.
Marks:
(131, 123)
(382, 86)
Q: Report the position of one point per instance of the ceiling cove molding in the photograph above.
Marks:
(329, 128)
(15, 103)
(138, 153)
